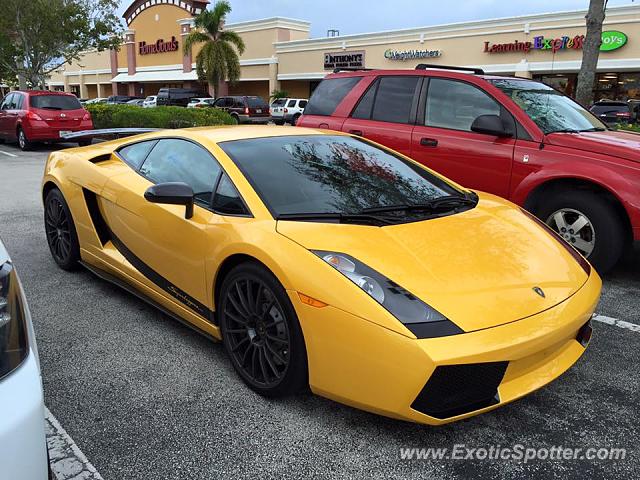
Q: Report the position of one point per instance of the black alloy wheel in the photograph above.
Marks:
(261, 332)
(61, 231)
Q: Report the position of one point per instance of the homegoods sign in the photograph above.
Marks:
(611, 40)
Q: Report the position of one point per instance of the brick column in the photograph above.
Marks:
(274, 83)
(186, 24)
(113, 60)
(130, 45)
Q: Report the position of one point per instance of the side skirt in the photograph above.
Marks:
(134, 291)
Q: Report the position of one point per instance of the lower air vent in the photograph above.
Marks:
(458, 389)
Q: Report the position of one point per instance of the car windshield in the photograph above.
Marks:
(549, 109)
(55, 102)
(316, 174)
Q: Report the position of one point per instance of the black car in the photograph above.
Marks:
(614, 112)
(121, 98)
(179, 97)
(245, 108)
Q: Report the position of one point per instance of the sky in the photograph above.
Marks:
(361, 16)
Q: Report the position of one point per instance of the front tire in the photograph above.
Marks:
(61, 231)
(588, 222)
(236, 118)
(261, 332)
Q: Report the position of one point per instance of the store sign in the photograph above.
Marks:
(403, 55)
(344, 60)
(159, 47)
(611, 40)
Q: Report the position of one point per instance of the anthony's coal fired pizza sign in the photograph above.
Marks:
(160, 46)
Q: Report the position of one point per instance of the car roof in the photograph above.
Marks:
(440, 72)
(44, 92)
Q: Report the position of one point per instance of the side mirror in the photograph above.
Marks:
(172, 193)
(490, 125)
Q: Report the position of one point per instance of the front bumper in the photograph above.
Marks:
(361, 364)
(23, 455)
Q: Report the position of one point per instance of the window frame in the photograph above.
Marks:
(207, 206)
(518, 131)
(413, 113)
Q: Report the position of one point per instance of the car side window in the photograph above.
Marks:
(291, 104)
(7, 103)
(18, 101)
(394, 99)
(227, 200)
(135, 154)
(455, 105)
(219, 102)
(177, 160)
(365, 105)
(236, 103)
(302, 103)
(328, 95)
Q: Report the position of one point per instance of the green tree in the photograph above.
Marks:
(39, 36)
(219, 57)
(276, 94)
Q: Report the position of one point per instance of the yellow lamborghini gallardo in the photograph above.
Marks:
(326, 260)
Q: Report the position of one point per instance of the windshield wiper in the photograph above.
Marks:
(447, 202)
(593, 129)
(51, 108)
(336, 217)
(564, 130)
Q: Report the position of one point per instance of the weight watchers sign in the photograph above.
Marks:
(411, 54)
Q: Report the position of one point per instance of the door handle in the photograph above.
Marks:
(428, 142)
(356, 132)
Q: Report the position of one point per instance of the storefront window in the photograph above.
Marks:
(617, 86)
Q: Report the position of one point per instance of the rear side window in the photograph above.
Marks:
(18, 100)
(394, 99)
(292, 103)
(55, 102)
(610, 108)
(279, 102)
(302, 103)
(329, 94)
(135, 154)
(365, 105)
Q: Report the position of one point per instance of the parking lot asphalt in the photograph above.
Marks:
(145, 397)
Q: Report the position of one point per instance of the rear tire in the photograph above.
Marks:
(61, 231)
(279, 122)
(600, 227)
(261, 332)
(295, 119)
(23, 142)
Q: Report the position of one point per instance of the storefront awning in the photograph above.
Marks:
(155, 76)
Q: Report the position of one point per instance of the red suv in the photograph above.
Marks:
(509, 136)
(41, 116)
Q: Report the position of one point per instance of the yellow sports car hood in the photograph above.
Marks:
(479, 268)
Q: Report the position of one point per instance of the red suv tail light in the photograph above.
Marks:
(33, 116)
(246, 110)
(623, 114)
(86, 116)
(286, 110)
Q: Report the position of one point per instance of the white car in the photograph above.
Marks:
(289, 110)
(23, 448)
(150, 102)
(96, 100)
(200, 102)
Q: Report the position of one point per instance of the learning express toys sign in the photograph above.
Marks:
(611, 40)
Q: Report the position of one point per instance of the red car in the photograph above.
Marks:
(35, 116)
(509, 136)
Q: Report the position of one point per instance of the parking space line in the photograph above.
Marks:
(617, 323)
(8, 154)
(67, 460)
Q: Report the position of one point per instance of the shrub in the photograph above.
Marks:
(632, 128)
(130, 116)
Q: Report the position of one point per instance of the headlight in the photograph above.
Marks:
(13, 338)
(423, 320)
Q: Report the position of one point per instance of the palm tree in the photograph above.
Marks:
(218, 59)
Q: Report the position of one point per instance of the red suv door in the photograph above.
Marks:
(444, 141)
(9, 116)
(386, 112)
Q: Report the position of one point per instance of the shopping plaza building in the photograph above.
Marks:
(281, 55)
